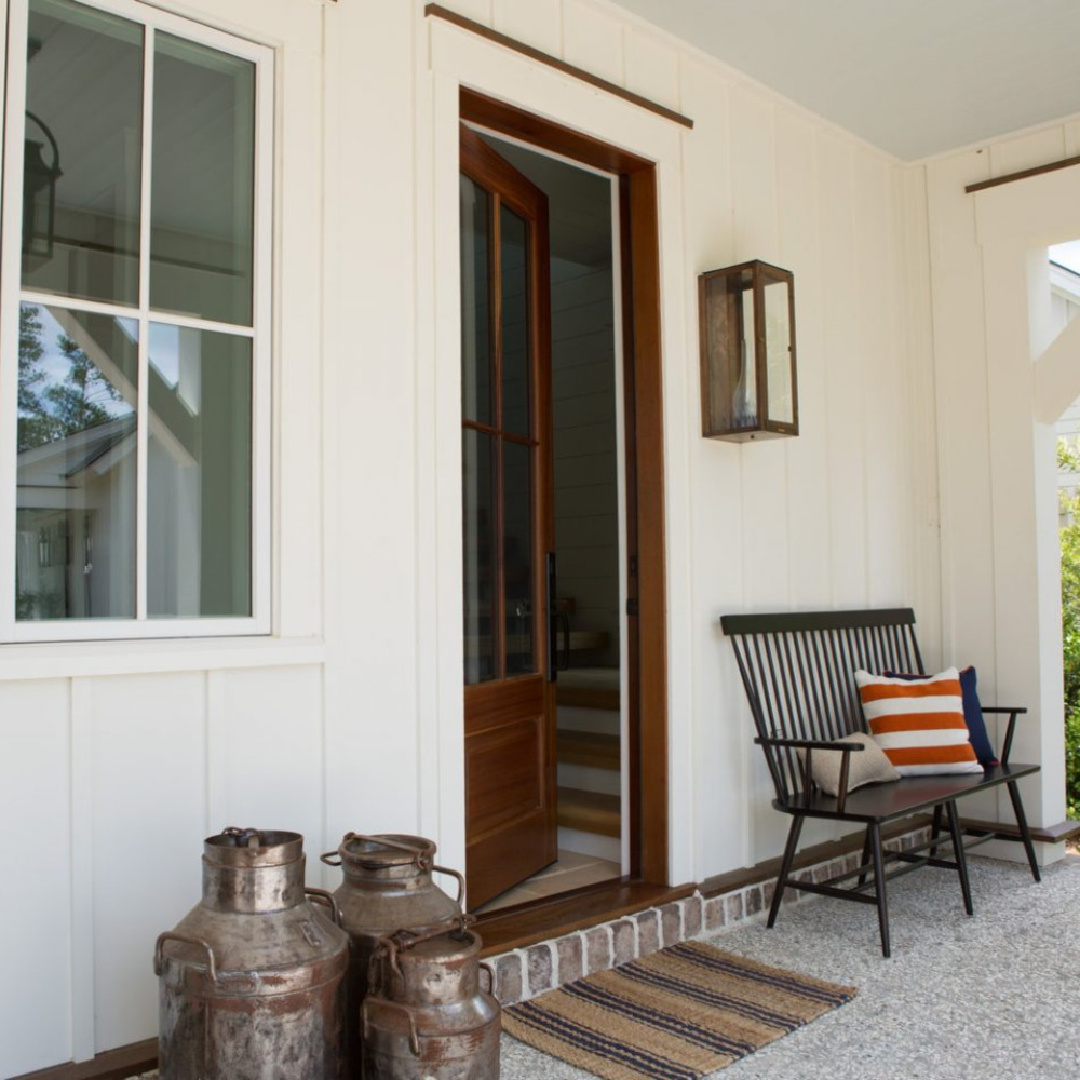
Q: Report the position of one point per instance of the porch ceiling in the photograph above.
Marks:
(916, 78)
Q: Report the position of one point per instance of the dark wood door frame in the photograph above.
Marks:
(643, 406)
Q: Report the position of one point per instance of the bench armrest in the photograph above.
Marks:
(810, 745)
(1012, 711)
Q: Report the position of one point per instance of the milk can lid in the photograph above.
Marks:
(253, 847)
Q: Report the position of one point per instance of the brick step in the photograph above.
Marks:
(590, 748)
(589, 812)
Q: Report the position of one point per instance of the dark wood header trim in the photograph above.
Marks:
(1008, 178)
(494, 115)
(439, 12)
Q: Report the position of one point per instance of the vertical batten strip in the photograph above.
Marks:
(83, 1037)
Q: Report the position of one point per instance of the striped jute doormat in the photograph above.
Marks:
(683, 1012)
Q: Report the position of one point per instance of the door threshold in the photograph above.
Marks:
(552, 916)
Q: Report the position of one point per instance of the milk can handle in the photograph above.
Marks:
(381, 1003)
(490, 972)
(460, 883)
(321, 896)
(184, 939)
(328, 856)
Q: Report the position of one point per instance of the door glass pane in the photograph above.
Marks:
(513, 249)
(475, 308)
(83, 149)
(478, 519)
(199, 474)
(518, 560)
(76, 479)
(202, 194)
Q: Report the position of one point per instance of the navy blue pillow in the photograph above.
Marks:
(973, 714)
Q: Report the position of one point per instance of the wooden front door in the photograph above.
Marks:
(507, 523)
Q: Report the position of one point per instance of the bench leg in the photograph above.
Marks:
(785, 866)
(961, 857)
(874, 832)
(935, 829)
(867, 848)
(1021, 820)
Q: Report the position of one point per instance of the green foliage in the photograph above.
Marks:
(1069, 459)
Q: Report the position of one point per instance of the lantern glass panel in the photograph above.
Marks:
(744, 403)
(778, 343)
(729, 383)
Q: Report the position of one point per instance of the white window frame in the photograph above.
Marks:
(12, 295)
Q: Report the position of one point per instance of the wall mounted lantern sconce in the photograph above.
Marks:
(748, 387)
(39, 195)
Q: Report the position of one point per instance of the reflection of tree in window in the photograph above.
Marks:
(59, 409)
(76, 388)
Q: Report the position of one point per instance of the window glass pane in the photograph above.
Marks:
(478, 519)
(76, 480)
(83, 153)
(199, 474)
(513, 249)
(202, 195)
(475, 309)
(518, 558)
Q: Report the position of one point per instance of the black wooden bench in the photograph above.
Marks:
(799, 673)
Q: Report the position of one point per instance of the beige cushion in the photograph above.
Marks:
(868, 766)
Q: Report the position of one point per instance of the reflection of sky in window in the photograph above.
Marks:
(1067, 255)
(165, 353)
(165, 349)
(56, 366)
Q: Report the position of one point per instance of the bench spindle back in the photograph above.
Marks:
(799, 673)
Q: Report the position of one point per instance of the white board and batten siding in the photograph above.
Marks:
(116, 760)
(992, 326)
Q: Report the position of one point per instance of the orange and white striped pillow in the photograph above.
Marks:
(919, 725)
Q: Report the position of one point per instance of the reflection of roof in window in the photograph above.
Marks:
(109, 436)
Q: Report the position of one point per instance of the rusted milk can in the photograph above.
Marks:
(426, 1016)
(252, 979)
(386, 886)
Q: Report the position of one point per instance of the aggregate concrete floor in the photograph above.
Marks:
(997, 995)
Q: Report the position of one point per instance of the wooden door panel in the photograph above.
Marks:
(491, 704)
(503, 782)
(510, 704)
(506, 856)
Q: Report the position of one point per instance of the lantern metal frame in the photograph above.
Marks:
(724, 352)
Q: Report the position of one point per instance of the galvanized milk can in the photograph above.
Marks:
(252, 979)
(426, 1016)
(386, 886)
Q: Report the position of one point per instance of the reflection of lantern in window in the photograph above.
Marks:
(39, 194)
(748, 384)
